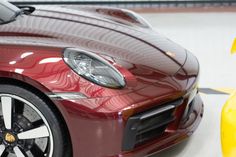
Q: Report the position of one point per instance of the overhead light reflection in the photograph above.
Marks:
(26, 54)
(50, 60)
(12, 62)
(19, 71)
(171, 54)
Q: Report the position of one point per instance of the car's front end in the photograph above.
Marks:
(141, 119)
(142, 128)
(121, 88)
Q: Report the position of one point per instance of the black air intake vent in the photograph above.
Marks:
(148, 125)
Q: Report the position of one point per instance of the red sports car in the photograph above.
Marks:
(91, 82)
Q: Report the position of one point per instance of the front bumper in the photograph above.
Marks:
(169, 138)
(97, 128)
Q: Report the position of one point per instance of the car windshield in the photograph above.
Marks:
(8, 12)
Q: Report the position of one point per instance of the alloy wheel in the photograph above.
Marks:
(24, 131)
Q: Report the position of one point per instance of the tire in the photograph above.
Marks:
(29, 126)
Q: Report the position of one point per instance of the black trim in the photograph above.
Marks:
(149, 124)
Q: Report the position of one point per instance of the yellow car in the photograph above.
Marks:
(233, 50)
(228, 123)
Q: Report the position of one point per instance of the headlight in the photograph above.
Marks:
(93, 68)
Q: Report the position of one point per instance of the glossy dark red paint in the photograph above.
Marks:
(156, 70)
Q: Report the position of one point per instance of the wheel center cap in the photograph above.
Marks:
(10, 138)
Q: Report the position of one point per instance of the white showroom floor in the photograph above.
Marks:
(209, 36)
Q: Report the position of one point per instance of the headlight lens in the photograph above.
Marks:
(94, 68)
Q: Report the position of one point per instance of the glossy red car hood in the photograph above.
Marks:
(116, 35)
(98, 33)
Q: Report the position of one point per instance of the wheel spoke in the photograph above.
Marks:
(7, 111)
(2, 149)
(19, 152)
(39, 132)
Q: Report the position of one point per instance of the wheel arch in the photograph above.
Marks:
(39, 90)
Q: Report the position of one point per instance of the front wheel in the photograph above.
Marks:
(28, 126)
